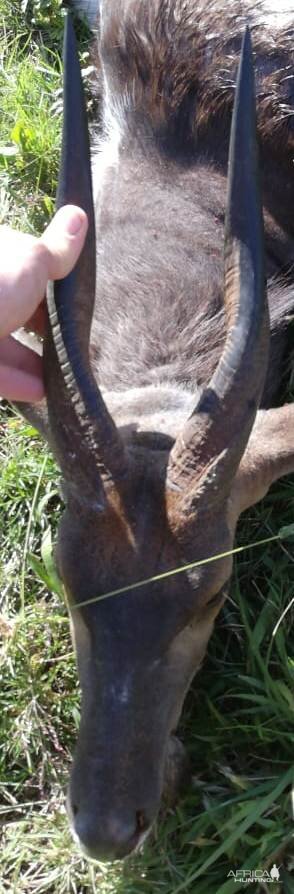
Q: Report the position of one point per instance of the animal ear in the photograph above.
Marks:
(269, 455)
(37, 416)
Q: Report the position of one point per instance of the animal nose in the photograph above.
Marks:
(112, 838)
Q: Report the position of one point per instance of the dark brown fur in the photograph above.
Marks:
(172, 85)
(176, 62)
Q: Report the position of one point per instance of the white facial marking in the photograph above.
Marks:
(151, 408)
(121, 691)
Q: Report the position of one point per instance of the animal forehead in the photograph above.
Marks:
(124, 626)
(133, 629)
(151, 583)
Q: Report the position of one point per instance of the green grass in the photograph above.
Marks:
(238, 719)
(31, 107)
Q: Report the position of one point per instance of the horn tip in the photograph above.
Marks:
(69, 42)
(246, 60)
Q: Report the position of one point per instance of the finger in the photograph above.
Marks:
(21, 386)
(21, 372)
(16, 354)
(27, 264)
(16, 288)
(64, 239)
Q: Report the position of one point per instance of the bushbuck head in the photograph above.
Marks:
(159, 488)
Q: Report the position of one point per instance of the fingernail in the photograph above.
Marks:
(73, 219)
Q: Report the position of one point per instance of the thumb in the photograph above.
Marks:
(27, 263)
(64, 239)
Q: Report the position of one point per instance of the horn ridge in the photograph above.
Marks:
(78, 404)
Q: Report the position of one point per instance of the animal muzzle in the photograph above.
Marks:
(110, 837)
(109, 828)
(115, 789)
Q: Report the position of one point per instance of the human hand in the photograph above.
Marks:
(26, 265)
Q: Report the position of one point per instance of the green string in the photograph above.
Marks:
(283, 533)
